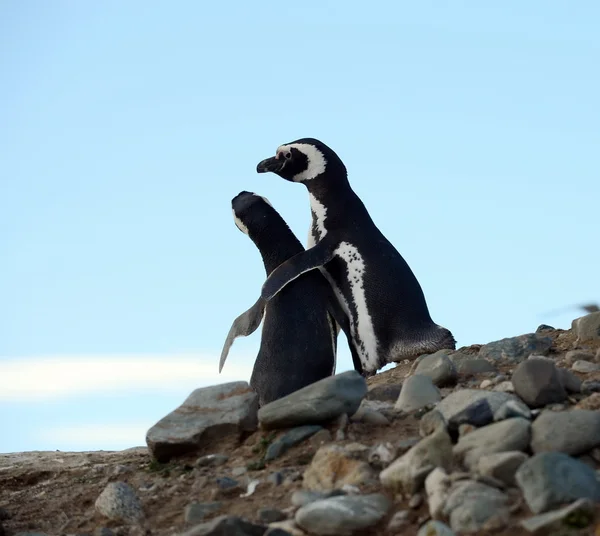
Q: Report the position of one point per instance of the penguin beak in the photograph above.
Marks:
(272, 164)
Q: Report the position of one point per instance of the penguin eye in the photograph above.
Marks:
(288, 155)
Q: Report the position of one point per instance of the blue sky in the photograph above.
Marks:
(470, 130)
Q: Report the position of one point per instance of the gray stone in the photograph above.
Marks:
(505, 387)
(473, 367)
(212, 460)
(207, 417)
(570, 382)
(343, 515)
(516, 349)
(438, 368)
(430, 422)
(572, 432)
(387, 392)
(479, 413)
(576, 355)
(319, 402)
(538, 383)
(585, 367)
(369, 413)
(458, 401)
(553, 520)
(227, 483)
(303, 497)
(550, 479)
(196, 512)
(512, 408)
(226, 526)
(381, 455)
(398, 521)
(407, 474)
(270, 515)
(501, 465)
(590, 386)
(417, 392)
(290, 439)
(503, 436)
(119, 502)
(587, 328)
(334, 465)
(472, 505)
(435, 528)
(275, 478)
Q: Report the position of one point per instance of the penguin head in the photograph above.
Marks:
(251, 212)
(303, 160)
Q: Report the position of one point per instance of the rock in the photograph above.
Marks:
(270, 515)
(501, 465)
(227, 526)
(486, 384)
(572, 432)
(435, 528)
(227, 483)
(387, 392)
(119, 502)
(275, 478)
(290, 439)
(303, 497)
(212, 460)
(369, 413)
(381, 455)
(417, 392)
(590, 386)
(592, 402)
(473, 506)
(285, 528)
(538, 383)
(473, 367)
(207, 417)
(479, 413)
(516, 349)
(578, 355)
(333, 466)
(320, 438)
(512, 408)
(316, 403)
(587, 328)
(415, 501)
(570, 382)
(585, 367)
(549, 479)
(407, 474)
(503, 436)
(553, 520)
(4, 514)
(196, 512)
(343, 515)
(505, 387)
(438, 368)
(437, 486)
(398, 521)
(430, 422)
(459, 400)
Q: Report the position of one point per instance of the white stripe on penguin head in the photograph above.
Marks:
(239, 223)
(316, 162)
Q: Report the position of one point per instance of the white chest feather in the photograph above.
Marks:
(319, 212)
(362, 325)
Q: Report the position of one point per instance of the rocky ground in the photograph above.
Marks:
(502, 438)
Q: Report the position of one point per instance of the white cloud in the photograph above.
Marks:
(37, 378)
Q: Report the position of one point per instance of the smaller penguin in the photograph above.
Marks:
(299, 336)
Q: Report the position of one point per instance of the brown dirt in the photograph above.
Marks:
(54, 492)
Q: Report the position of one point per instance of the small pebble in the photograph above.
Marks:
(212, 460)
(585, 367)
(270, 515)
(415, 501)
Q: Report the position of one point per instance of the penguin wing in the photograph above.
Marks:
(295, 266)
(340, 316)
(242, 326)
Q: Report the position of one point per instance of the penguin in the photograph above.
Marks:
(379, 293)
(301, 324)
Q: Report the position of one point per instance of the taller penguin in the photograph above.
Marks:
(389, 318)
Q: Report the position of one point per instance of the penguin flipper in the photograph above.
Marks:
(336, 311)
(242, 326)
(295, 266)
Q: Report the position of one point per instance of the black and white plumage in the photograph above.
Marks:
(299, 336)
(389, 317)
